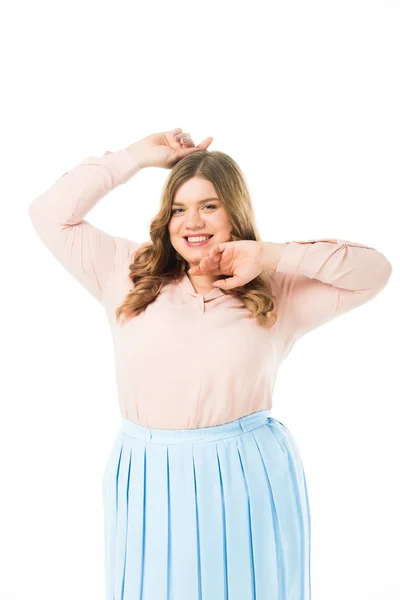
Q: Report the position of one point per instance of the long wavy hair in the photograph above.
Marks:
(157, 263)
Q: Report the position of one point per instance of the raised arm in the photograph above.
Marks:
(318, 280)
(88, 253)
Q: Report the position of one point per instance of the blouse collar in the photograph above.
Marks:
(187, 285)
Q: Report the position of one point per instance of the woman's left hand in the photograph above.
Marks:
(241, 259)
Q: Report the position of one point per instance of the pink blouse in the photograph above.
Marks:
(190, 360)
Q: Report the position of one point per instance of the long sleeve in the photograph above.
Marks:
(88, 253)
(319, 280)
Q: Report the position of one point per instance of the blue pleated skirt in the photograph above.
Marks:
(215, 513)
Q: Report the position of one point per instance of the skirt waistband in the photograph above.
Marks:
(214, 432)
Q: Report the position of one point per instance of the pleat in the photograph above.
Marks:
(156, 527)
(185, 579)
(265, 543)
(133, 541)
(299, 494)
(239, 561)
(121, 502)
(211, 522)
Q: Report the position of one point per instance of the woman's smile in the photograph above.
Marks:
(196, 244)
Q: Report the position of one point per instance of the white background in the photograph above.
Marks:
(305, 97)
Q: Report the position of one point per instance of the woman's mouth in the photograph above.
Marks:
(202, 242)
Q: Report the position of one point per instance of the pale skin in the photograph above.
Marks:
(197, 210)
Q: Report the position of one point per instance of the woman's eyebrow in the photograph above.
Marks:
(198, 201)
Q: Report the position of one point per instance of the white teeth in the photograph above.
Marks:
(198, 239)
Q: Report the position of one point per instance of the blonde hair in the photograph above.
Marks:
(157, 263)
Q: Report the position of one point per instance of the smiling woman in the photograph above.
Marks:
(204, 492)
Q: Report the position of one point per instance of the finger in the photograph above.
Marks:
(228, 284)
(185, 135)
(188, 144)
(172, 140)
(217, 250)
(214, 250)
(205, 143)
(193, 271)
(186, 140)
(202, 146)
(202, 267)
(185, 148)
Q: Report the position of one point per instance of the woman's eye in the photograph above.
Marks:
(207, 205)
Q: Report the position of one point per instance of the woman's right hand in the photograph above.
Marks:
(165, 149)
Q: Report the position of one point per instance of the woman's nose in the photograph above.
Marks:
(194, 221)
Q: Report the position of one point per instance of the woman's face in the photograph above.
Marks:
(196, 211)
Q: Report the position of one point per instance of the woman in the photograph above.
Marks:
(204, 492)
